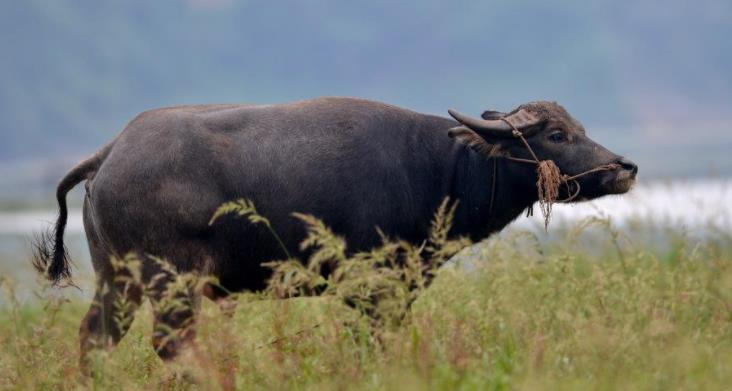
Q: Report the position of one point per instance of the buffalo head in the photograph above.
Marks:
(553, 135)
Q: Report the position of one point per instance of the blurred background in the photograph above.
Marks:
(651, 80)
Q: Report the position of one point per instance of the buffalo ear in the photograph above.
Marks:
(492, 114)
(474, 141)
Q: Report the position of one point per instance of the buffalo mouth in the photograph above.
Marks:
(618, 181)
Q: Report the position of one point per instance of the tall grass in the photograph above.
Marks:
(587, 310)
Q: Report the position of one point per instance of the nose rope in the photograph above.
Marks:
(549, 177)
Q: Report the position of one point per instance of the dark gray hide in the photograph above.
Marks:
(355, 164)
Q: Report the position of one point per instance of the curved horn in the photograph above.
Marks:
(496, 127)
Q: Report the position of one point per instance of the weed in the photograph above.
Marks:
(593, 309)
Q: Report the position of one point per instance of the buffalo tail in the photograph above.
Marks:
(50, 255)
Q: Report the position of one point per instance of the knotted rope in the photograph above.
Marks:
(548, 180)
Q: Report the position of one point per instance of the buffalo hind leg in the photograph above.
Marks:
(109, 317)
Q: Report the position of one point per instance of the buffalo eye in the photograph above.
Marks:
(557, 136)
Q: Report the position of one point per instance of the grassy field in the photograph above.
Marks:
(591, 308)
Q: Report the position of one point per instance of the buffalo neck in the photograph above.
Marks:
(473, 185)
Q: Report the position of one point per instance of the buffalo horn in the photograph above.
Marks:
(496, 127)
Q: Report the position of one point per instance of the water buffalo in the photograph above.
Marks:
(354, 163)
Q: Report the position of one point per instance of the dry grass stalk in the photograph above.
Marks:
(381, 283)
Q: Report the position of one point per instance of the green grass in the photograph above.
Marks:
(582, 311)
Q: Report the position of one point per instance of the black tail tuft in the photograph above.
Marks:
(50, 255)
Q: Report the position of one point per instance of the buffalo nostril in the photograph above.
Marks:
(628, 165)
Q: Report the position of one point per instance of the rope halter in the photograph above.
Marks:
(550, 177)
